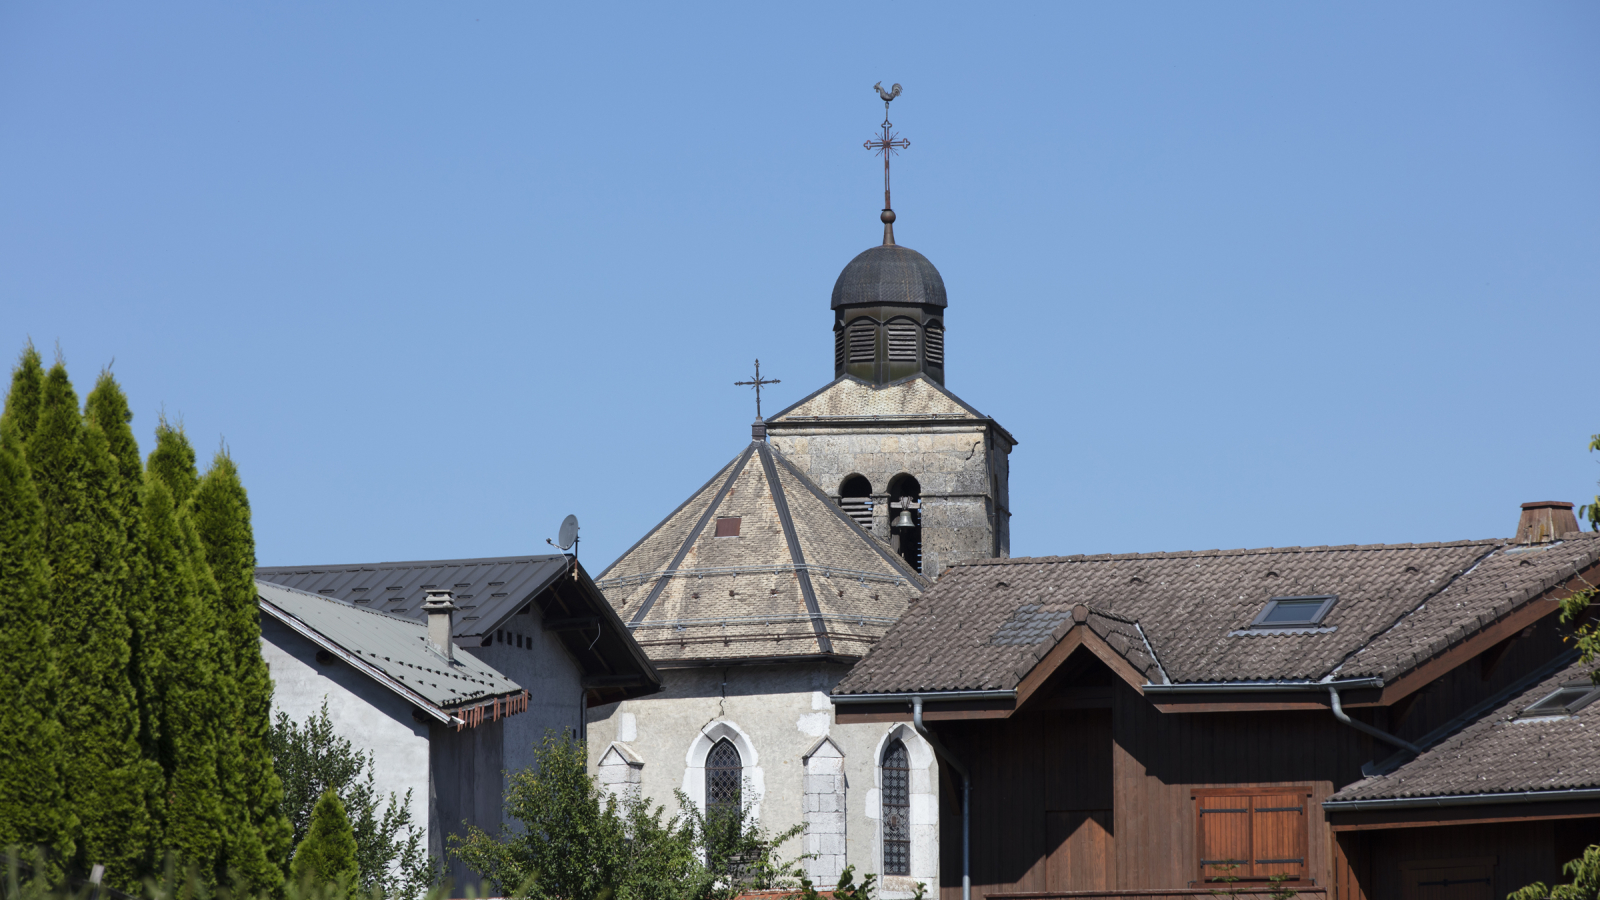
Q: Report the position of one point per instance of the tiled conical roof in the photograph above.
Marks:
(798, 578)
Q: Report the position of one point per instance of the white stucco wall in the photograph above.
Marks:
(369, 715)
(553, 681)
(774, 715)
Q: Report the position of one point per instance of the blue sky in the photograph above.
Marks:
(1235, 274)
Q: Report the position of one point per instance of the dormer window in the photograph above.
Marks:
(1564, 700)
(1294, 612)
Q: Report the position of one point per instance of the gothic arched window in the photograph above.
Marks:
(724, 774)
(896, 810)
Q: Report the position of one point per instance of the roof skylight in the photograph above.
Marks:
(1564, 700)
(1294, 612)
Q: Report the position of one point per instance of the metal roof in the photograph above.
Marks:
(889, 275)
(487, 591)
(391, 649)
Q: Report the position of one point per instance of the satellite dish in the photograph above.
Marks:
(569, 533)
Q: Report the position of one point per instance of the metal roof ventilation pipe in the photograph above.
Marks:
(440, 607)
(966, 795)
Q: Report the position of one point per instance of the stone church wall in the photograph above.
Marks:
(962, 469)
(804, 768)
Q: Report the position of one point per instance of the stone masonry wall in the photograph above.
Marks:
(961, 467)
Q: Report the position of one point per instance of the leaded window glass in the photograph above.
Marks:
(724, 773)
(896, 811)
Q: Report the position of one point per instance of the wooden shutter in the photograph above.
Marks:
(1251, 834)
(935, 341)
(1223, 836)
(1278, 835)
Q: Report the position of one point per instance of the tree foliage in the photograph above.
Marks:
(33, 808)
(327, 854)
(1585, 884)
(577, 841)
(123, 733)
(1575, 609)
(313, 760)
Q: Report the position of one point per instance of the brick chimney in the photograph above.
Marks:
(440, 607)
(1545, 521)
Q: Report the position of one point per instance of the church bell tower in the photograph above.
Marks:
(908, 460)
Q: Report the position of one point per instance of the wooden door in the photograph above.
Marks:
(1082, 855)
(1448, 879)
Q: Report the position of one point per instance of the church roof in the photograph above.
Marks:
(791, 576)
(889, 275)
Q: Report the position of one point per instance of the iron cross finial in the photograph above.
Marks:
(756, 383)
(887, 145)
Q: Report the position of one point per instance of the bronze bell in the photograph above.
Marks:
(903, 520)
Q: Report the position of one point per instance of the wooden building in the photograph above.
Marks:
(1366, 722)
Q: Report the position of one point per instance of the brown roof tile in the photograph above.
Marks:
(1398, 604)
(1498, 753)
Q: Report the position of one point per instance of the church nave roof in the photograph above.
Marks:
(759, 563)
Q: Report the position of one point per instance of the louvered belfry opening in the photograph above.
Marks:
(863, 342)
(896, 810)
(902, 342)
(933, 341)
(855, 498)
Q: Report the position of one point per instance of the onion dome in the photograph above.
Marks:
(889, 275)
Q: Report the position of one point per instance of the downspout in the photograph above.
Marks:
(966, 795)
(1364, 728)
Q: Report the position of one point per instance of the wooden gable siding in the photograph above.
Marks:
(1385, 865)
(1491, 671)
(1102, 798)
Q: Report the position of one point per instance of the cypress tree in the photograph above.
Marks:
(100, 761)
(193, 692)
(258, 833)
(33, 808)
(328, 853)
(108, 414)
(27, 389)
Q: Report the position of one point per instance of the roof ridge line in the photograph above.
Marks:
(694, 534)
(796, 554)
(1242, 551)
(1334, 670)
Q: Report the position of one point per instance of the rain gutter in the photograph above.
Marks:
(919, 696)
(1461, 800)
(1260, 687)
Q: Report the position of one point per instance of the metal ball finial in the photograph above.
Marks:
(887, 216)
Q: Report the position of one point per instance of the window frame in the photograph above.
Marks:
(738, 790)
(1302, 791)
(1260, 622)
(895, 745)
(1566, 709)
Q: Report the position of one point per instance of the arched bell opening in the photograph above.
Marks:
(905, 519)
(855, 498)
